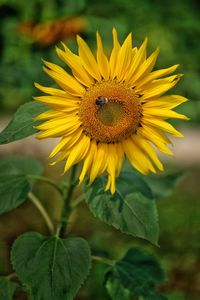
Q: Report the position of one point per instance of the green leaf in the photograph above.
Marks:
(51, 268)
(137, 272)
(14, 183)
(130, 182)
(116, 289)
(22, 122)
(162, 186)
(7, 288)
(131, 209)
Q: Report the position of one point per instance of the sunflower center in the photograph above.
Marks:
(110, 112)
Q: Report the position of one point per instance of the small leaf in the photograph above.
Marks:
(139, 273)
(22, 122)
(7, 288)
(51, 268)
(162, 186)
(14, 184)
(116, 289)
(131, 209)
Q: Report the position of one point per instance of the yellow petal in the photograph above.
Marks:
(161, 86)
(66, 81)
(100, 161)
(107, 187)
(120, 156)
(50, 91)
(74, 62)
(162, 125)
(137, 61)
(49, 115)
(115, 155)
(56, 122)
(136, 157)
(87, 59)
(78, 152)
(149, 150)
(88, 160)
(112, 166)
(167, 102)
(62, 157)
(124, 58)
(102, 59)
(114, 54)
(134, 51)
(146, 66)
(65, 141)
(58, 102)
(156, 74)
(164, 113)
(155, 136)
(59, 146)
(58, 131)
(157, 132)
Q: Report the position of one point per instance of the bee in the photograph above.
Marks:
(101, 100)
(138, 95)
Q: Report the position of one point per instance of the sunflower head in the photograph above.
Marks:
(109, 108)
(110, 112)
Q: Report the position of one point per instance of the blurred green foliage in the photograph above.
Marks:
(174, 26)
(179, 243)
(179, 237)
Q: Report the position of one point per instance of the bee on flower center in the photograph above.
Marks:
(101, 100)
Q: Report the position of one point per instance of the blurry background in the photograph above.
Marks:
(29, 32)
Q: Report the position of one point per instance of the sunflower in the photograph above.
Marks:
(109, 108)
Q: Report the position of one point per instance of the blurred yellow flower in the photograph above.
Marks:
(109, 108)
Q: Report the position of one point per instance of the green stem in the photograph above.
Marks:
(11, 276)
(104, 260)
(46, 180)
(42, 211)
(77, 201)
(67, 208)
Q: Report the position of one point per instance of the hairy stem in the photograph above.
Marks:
(42, 211)
(67, 208)
(11, 276)
(104, 260)
(46, 180)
